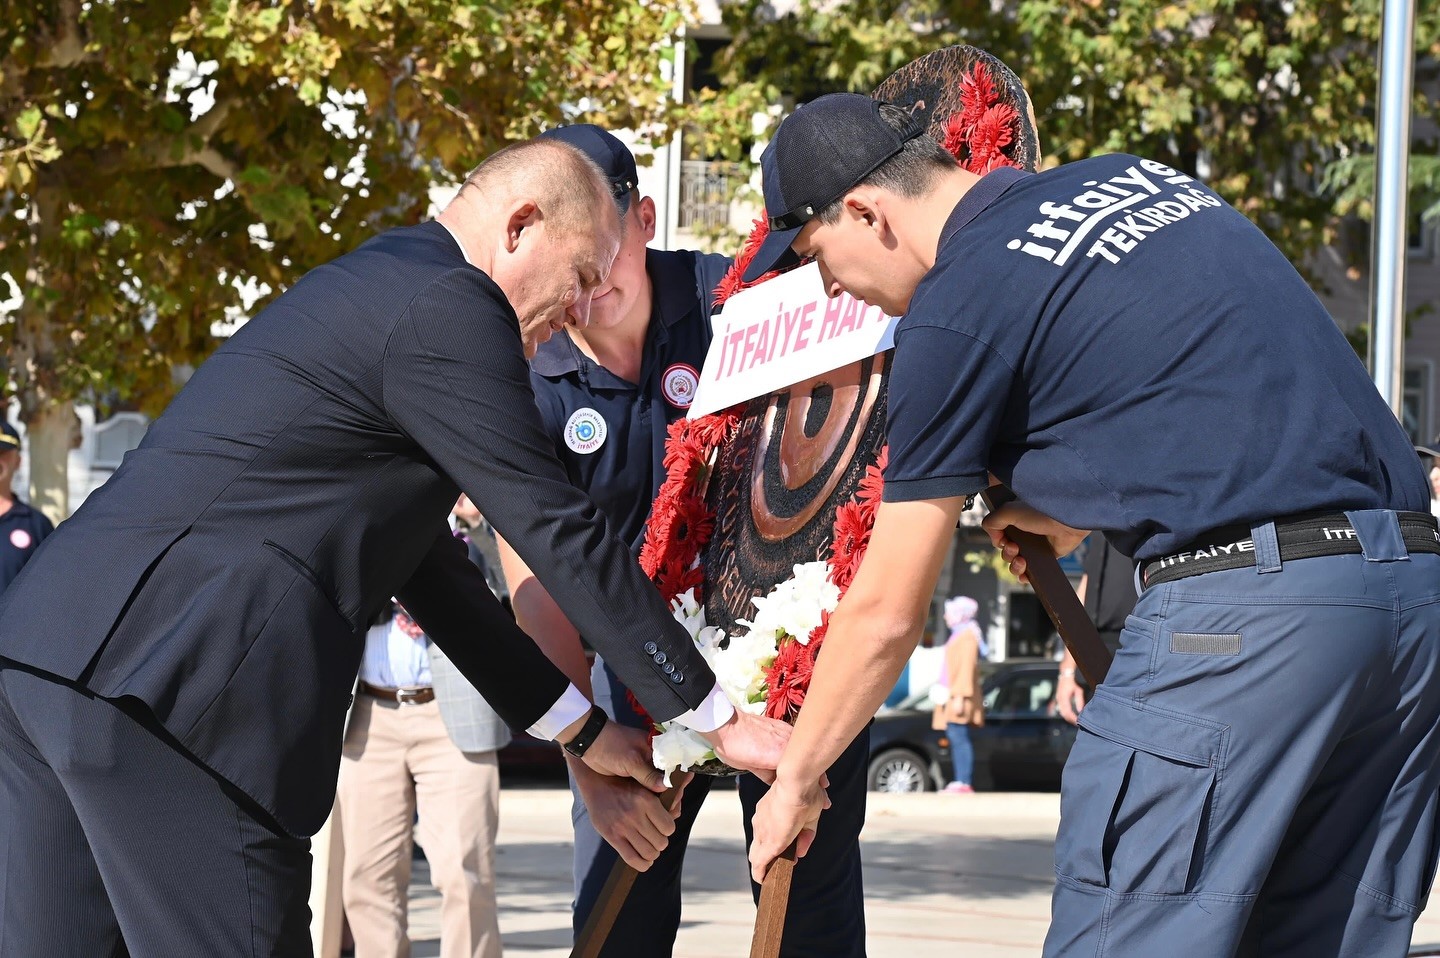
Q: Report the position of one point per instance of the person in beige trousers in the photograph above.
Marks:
(419, 737)
(960, 697)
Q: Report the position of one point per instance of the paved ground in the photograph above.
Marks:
(946, 877)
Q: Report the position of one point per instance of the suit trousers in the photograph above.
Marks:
(398, 758)
(1259, 774)
(826, 915)
(117, 842)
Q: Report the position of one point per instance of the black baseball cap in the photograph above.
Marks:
(1431, 451)
(9, 438)
(613, 157)
(818, 154)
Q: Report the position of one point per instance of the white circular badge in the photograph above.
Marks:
(679, 384)
(586, 431)
(20, 539)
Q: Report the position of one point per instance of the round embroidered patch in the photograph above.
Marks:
(586, 431)
(679, 384)
(21, 539)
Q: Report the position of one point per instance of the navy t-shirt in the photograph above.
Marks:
(610, 433)
(1131, 354)
(21, 531)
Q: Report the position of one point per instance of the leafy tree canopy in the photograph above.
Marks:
(1259, 98)
(159, 158)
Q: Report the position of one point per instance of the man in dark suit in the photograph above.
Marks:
(170, 721)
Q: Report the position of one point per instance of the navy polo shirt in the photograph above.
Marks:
(1131, 354)
(610, 433)
(21, 531)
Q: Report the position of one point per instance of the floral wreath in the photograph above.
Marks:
(768, 668)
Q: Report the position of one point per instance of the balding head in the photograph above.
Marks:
(537, 217)
(563, 181)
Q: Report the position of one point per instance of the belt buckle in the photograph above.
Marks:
(409, 696)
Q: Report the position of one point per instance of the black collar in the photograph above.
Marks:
(18, 510)
(977, 199)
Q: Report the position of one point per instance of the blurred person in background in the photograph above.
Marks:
(1107, 588)
(420, 738)
(961, 700)
(1430, 458)
(21, 527)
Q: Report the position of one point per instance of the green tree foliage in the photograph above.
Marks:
(157, 157)
(1260, 97)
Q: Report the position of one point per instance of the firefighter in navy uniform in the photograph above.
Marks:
(21, 527)
(606, 396)
(1259, 773)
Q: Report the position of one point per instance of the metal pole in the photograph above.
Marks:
(1392, 155)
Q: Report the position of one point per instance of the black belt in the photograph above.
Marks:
(1299, 537)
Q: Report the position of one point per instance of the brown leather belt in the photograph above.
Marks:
(415, 696)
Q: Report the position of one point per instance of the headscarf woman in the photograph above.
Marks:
(962, 704)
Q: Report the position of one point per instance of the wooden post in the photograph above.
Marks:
(612, 898)
(1055, 594)
(774, 901)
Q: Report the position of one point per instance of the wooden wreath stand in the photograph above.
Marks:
(1080, 637)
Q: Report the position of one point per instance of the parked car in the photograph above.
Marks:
(1024, 743)
(529, 757)
(906, 754)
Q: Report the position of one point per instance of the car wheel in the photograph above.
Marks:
(898, 770)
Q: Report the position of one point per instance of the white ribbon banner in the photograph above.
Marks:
(785, 331)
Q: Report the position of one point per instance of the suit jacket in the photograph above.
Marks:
(473, 725)
(301, 478)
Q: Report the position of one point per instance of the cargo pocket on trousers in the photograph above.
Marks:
(1136, 798)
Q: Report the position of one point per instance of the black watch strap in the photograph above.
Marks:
(582, 741)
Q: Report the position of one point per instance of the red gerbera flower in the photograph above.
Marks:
(872, 484)
(852, 535)
(683, 459)
(677, 576)
(693, 523)
(732, 282)
(713, 430)
(817, 636)
(991, 135)
(955, 136)
(977, 94)
(657, 546)
(788, 678)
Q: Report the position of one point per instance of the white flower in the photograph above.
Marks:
(689, 613)
(709, 640)
(679, 747)
(795, 607)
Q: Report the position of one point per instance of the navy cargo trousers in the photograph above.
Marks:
(826, 915)
(1258, 774)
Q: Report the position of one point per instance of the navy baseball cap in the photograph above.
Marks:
(9, 438)
(819, 153)
(613, 157)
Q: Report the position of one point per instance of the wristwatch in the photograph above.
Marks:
(590, 731)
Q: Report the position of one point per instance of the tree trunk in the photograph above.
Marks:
(34, 363)
(51, 433)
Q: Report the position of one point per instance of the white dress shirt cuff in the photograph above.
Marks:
(710, 714)
(569, 707)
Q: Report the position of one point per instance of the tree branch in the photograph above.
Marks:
(160, 153)
(67, 48)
